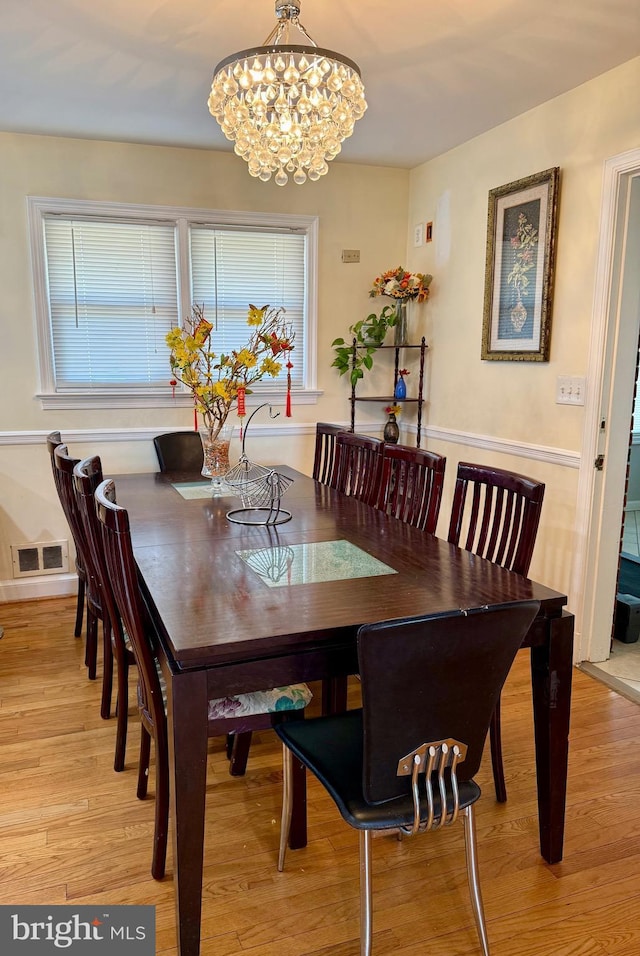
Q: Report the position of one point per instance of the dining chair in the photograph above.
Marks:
(407, 758)
(53, 440)
(64, 465)
(411, 485)
(237, 714)
(358, 466)
(495, 514)
(87, 475)
(179, 451)
(325, 451)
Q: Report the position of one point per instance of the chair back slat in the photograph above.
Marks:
(123, 575)
(411, 485)
(325, 451)
(358, 466)
(455, 664)
(495, 514)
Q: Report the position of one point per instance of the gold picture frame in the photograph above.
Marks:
(518, 293)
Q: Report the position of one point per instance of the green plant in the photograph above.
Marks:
(369, 334)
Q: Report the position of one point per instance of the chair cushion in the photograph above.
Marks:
(277, 699)
(332, 747)
(291, 697)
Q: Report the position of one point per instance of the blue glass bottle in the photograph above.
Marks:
(400, 390)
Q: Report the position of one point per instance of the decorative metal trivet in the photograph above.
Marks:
(259, 488)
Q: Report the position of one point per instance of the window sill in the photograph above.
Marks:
(97, 400)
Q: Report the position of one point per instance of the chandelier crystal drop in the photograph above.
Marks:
(287, 106)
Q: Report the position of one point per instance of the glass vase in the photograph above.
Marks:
(215, 465)
(400, 328)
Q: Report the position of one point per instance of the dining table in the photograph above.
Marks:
(240, 607)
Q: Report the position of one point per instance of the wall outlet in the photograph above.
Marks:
(417, 234)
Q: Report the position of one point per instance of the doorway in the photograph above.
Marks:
(611, 377)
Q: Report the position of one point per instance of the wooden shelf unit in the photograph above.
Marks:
(392, 400)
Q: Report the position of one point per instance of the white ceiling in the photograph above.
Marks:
(436, 72)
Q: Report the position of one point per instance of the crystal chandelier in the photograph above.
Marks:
(288, 106)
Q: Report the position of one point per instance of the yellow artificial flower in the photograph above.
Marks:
(246, 358)
(255, 315)
(270, 367)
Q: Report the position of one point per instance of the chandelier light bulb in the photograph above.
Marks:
(287, 106)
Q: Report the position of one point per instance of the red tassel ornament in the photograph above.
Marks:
(288, 404)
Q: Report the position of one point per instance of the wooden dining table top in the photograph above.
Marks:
(217, 609)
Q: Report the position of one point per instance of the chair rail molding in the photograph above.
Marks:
(505, 446)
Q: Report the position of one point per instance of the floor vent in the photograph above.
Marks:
(41, 557)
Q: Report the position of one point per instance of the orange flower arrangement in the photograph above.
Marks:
(399, 284)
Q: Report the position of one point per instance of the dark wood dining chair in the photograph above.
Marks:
(64, 465)
(179, 451)
(406, 759)
(53, 440)
(87, 475)
(325, 451)
(238, 714)
(411, 485)
(358, 466)
(495, 514)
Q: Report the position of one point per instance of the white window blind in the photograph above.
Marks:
(110, 279)
(112, 291)
(233, 268)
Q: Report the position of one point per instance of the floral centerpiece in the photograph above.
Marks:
(220, 381)
(403, 287)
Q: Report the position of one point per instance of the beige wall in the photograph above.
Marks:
(370, 209)
(515, 401)
(359, 207)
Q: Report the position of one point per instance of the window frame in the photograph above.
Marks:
(183, 217)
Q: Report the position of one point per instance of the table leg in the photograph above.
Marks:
(187, 715)
(551, 674)
(334, 694)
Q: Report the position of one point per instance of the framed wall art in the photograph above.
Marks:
(518, 292)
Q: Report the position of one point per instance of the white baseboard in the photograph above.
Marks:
(49, 585)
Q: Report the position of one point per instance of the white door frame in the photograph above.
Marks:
(597, 542)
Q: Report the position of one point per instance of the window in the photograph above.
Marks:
(111, 280)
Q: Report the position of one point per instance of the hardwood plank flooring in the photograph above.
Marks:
(72, 830)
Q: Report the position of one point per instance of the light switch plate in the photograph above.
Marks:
(417, 234)
(570, 390)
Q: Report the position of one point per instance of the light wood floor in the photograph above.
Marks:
(72, 830)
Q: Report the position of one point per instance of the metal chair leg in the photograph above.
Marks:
(366, 910)
(474, 876)
(287, 804)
